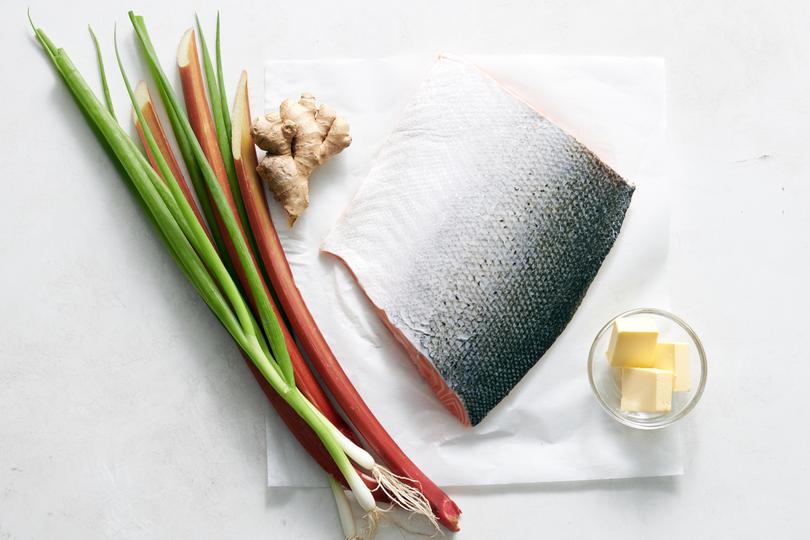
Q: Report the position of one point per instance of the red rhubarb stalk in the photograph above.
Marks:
(199, 113)
(147, 107)
(303, 324)
(202, 124)
(199, 116)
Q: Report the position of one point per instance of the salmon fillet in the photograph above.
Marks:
(477, 233)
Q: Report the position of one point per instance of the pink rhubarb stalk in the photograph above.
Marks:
(303, 324)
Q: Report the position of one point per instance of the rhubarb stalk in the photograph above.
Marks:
(304, 326)
(148, 112)
(203, 125)
(223, 132)
(204, 144)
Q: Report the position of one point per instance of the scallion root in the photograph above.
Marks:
(403, 494)
(372, 520)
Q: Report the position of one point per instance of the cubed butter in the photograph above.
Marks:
(674, 357)
(646, 390)
(632, 342)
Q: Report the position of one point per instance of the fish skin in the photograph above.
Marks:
(477, 233)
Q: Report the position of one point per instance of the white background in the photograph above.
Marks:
(111, 441)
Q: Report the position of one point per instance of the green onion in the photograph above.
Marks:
(102, 73)
(344, 511)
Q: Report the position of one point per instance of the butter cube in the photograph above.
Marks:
(646, 390)
(674, 357)
(632, 342)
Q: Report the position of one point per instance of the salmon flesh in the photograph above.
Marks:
(477, 233)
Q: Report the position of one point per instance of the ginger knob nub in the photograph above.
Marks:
(297, 139)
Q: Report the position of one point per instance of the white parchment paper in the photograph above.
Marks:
(550, 428)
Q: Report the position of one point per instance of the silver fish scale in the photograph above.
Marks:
(506, 262)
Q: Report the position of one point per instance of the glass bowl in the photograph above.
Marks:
(606, 381)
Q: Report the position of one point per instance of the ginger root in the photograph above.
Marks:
(298, 139)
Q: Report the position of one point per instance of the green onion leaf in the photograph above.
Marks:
(226, 114)
(102, 73)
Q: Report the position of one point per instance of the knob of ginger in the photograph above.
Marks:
(297, 139)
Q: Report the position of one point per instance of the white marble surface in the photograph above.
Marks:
(101, 434)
